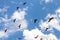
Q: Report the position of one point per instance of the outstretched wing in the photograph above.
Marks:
(51, 19)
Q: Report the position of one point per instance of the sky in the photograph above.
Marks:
(24, 16)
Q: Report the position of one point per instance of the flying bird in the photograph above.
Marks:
(17, 8)
(14, 20)
(46, 29)
(51, 19)
(19, 26)
(19, 38)
(24, 3)
(41, 39)
(36, 36)
(5, 30)
(35, 20)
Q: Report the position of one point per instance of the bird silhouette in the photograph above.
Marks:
(41, 39)
(35, 20)
(14, 20)
(19, 38)
(19, 26)
(46, 29)
(51, 19)
(17, 8)
(24, 3)
(5, 30)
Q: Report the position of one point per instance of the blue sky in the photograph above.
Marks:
(41, 10)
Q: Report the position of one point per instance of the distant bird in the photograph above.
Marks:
(41, 39)
(5, 30)
(36, 36)
(24, 3)
(14, 20)
(19, 38)
(19, 26)
(17, 8)
(51, 19)
(46, 29)
(35, 20)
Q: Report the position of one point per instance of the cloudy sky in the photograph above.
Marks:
(17, 19)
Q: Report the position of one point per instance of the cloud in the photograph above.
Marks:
(51, 37)
(47, 1)
(11, 26)
(30, 35)
(19, 15)
(3, 34)
(44, 25)
(20, 18)
(4, 9)
(54, 23)
(58, 12)
(13, 2)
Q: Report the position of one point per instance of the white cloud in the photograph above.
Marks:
(43, 8)
(58, 12)
(30, 35)
(11, 26)
(43, 25)
(4, 9)
(3, 34)
(47, 1)
(50, 15)
(54, 23)
(20, 18)
(51, 37)
(19, 15)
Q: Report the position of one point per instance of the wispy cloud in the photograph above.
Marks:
(47, 1)
(30, 35)
(4, 9)
(11, 26)
(3, 34)
(54, 23)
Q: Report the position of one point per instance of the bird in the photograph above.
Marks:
(36, 36)
(17, 8)
(14, 20)
(5, 30)
(51, 19)
(19, 26)
(35, 20)
(46, 29)
(19, 38)
(24, 3)
(41, 39)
